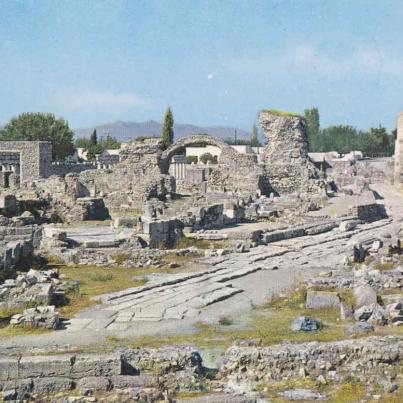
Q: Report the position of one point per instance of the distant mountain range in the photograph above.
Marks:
(124, 131)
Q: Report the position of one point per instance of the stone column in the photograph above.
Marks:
(286, 154)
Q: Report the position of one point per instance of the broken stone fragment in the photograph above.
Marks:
(306, 324)
(364, 295)
(363, 313)
(322, 299)
(372, 313)
(347, 226)
(40, 317)
(359, 328)
(346, 311)
(378, 316)
(301, 394)
(359, 253)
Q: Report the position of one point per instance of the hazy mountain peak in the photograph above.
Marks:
(124, 131)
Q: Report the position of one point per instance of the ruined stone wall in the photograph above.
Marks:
(35, 157)
(136, 179)
(235, 172)
(285, 155)
(173, 367)
(238, 173)
(253, 366)
(64, 169)
(398, 177)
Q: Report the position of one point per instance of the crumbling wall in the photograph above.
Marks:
(175, 368)
(64, 169)
(285, 155)
(240, 174)
(136, 179)
(35, 157)
(235, 172)
(399, 152)
(253, 366)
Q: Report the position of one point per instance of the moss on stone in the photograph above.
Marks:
(278, 112)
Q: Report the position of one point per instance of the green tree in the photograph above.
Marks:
(341, 138)
(93, 150)
(168, 128)
(35, 126)
(254, 141)
(208, 157)
(191, 159)
(312, 126)
(375, 142)
(107, 143)
(237, 142)
(94, 138)
(110, 143)
(82, 142)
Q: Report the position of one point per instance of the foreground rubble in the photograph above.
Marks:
(153, 374)
(201, 257)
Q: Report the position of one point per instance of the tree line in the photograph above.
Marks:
(375, 142)
(94, 146)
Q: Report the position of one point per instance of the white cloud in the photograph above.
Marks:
(210, 76)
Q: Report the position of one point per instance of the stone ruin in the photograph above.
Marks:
(158, 208)
(288, 166)
(398, 176)
(142, 190)
(143, 171)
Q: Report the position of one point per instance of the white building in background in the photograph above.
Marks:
(108, 157)
(335, 156)
(216, 151)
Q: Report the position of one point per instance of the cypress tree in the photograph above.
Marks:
(254, 142)
(167, 134)
(94, 138)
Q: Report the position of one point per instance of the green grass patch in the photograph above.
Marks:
(96, 281)
(275, 387)
(101, 277)
(12, 331)
(225, 321)
(100, 280)
(7, 312)
(349, 392)
(120, 258)
(270, 324)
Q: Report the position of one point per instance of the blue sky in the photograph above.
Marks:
(214, 62)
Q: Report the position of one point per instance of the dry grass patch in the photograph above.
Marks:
(186, 263)
(11, 331)
(186, 242)
(275, 387)
(100, 280)
(96, 281)
(270, 324)
(348, 392)
(383, 266)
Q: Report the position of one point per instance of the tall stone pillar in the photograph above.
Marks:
(399, 152)
(285, 155)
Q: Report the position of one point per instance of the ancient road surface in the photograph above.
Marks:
(231, 285)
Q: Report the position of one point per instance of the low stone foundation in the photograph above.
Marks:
(247, 368)
(25, 376)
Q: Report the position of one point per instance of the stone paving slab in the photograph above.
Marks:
(187, 295)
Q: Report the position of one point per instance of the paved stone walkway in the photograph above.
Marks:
(197, 295)
(231, 285)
